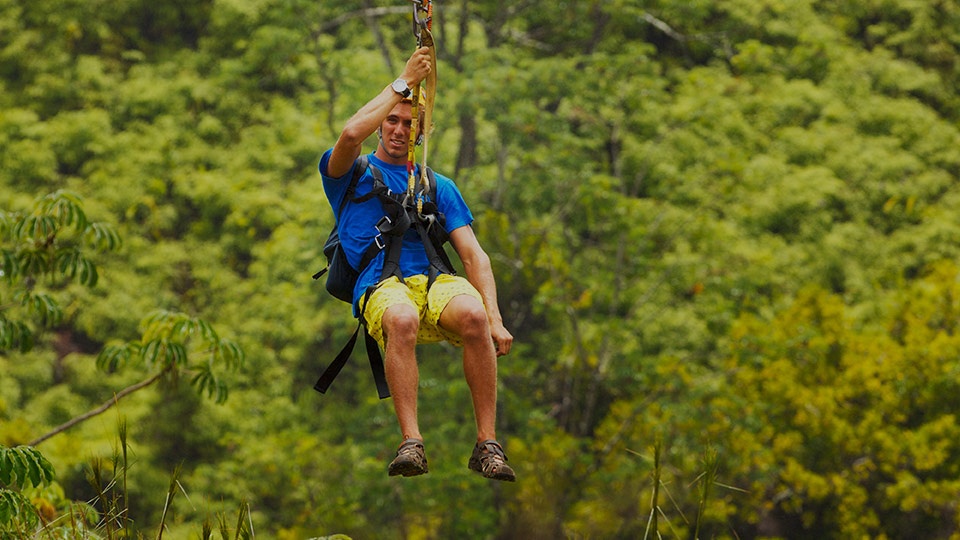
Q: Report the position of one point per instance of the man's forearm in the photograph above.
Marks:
(480, 275)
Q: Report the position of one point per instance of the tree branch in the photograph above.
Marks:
(664, 27)
(99, 410)
(377, 35)
(367, 13)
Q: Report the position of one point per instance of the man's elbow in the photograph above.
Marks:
(476, 260)
(351, 137)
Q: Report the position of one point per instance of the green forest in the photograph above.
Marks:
(725, 236)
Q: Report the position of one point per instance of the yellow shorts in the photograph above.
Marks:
(414, 293)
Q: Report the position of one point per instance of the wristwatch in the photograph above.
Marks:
(400, 86)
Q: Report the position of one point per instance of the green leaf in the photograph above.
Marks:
(9, 506)
(150, 353)
(34, 473)
(207, 331)
(33, 262)
(42, 306)
(114, 356)
(182, 328)
(19, 467)
(22, 464)
(15, 334)
(176, 354)
(17, 510)
(103, 237)
(88, 273)
(230, 353)
(8, 265)
(66, 207)
(6, 467)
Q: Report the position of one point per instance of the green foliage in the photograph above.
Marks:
(16, 512)
(20, 468)
(721, 225)
(865, 423)
(42, 251)
(163, 348)
(24, 466)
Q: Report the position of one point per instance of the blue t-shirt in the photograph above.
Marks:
(357, 224)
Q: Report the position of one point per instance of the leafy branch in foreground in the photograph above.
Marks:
(47, 245)
(106, 516)
(20, 467)
(172, 345)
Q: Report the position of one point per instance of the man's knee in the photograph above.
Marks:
(401, 322)
(471, 318)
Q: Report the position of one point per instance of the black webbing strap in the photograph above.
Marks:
(358, 169)
(373, 355)
(362, 163)
(376, 365)
(433, 236)
(329, 374)
(438, 264)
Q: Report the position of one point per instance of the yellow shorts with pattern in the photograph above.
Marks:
(414, 294)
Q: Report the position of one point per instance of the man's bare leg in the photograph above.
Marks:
(465, 316)
(400, 325)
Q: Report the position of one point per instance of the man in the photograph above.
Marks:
(401, 313)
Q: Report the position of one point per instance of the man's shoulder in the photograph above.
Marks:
(363, 161)
(444, 182)
(440, 176)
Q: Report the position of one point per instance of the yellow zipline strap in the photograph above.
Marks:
(422, 29)
(412, 144)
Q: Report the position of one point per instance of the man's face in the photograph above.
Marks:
(395, 134)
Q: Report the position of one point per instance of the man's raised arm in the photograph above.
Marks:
(366, 121)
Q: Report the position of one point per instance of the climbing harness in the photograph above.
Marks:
(399, 217)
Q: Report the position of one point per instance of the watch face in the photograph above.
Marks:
(400, 87)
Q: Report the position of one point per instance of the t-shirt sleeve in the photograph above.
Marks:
(451, 203)
(334, 188)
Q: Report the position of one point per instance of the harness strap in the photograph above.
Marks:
(358, 169)
(433, 236)
(391, 259)
(373, 355)
(361, 167)
(439, 262)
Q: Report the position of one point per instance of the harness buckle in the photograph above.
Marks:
(384, 225)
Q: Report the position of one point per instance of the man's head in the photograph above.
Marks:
(394, 131)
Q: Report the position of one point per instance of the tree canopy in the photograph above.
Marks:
(724, 235)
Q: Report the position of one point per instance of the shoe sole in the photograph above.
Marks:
(407, 468)
(502, 476)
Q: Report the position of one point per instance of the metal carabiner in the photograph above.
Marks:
(419, 24)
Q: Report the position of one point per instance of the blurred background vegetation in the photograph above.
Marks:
(725, 236)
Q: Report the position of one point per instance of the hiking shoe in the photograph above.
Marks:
(410, 460)
(489, 460)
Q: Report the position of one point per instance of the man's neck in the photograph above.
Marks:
(383, 156)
